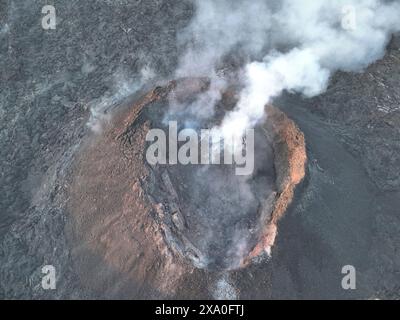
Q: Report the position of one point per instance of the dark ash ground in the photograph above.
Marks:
(345, 212)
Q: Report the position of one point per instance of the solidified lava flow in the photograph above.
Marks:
(134, 214)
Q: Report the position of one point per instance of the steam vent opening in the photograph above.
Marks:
(207, 215)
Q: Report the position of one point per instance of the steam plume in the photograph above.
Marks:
(304, 41)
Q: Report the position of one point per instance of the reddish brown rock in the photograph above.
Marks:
(121, 233)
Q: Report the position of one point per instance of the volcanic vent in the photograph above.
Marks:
(204, 215)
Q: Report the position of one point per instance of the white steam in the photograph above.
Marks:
(305, 41)
(122, 87)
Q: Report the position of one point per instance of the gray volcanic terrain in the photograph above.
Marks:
(57, 86)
